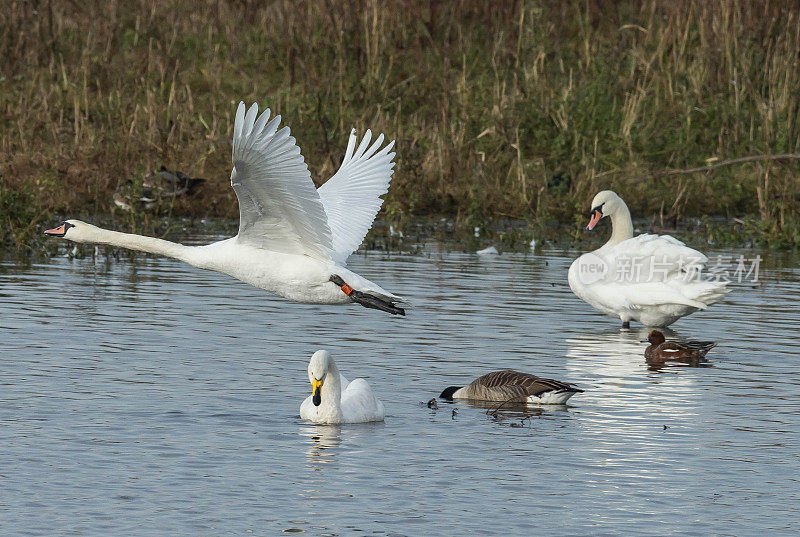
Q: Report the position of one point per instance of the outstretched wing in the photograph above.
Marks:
(279, 208)
(352, 196)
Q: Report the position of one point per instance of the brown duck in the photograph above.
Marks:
(688, 352)
(514, 387)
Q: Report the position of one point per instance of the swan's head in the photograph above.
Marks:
(655, 338)
(74, 230)
(317, 371)
(605, 203)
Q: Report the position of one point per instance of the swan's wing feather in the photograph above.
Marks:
(617, 296)
(652, 258)
(352, 197)
(359, 403)
(652, 270)
(279, 208)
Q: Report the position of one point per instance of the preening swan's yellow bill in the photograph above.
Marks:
(316, 396)
(596, 216)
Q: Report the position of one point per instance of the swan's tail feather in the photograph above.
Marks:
(708, 293)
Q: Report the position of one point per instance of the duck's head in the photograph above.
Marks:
(73, 230)
(655, 338)
(317, 371)
(605, 203)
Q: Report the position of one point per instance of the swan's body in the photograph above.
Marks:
(513, 387)
(651, 279)
(293, 239)
(334, 399)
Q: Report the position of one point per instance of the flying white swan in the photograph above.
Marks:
(293, 238)
(513, 387)
(335, 400)
(652, 279)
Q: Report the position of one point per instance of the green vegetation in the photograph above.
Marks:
(508, 109)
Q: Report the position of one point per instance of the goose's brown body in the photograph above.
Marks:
(515, 387)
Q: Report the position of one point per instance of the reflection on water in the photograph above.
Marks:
(323, 439)
(154, 398)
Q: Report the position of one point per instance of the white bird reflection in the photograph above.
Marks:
(323, 441)
(611, 353)
(615, 371)
(326, 442)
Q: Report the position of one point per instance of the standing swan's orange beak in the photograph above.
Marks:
(59, 231)
(597, 214)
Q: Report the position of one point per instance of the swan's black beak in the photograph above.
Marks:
(316, 388)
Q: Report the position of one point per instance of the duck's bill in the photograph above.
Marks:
(59, 231)
(595, 218)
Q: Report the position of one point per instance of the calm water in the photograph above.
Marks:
(158, 399)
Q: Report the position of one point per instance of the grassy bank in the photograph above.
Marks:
(516, 109)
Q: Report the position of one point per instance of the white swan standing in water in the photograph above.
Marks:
(293, 239)
(652, 279)
(334, 399)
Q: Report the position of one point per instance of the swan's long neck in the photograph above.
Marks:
(141, 243)
(331, 394)
(621, 225)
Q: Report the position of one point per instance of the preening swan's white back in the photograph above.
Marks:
(655, 258)
(352, 196)
(279, 207)
(652, 270)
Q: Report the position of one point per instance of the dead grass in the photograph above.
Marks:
(487, 101)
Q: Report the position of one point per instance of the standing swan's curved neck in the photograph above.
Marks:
(621, 224)
(140, 243)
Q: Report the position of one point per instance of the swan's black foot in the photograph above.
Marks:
(367, 300)
(626, 324)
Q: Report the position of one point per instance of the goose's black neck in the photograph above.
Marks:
(448, 392)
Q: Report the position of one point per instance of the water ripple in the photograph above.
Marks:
(170, 395)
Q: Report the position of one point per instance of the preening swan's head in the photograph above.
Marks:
(74, 230)
(605, 203)
(317, 371)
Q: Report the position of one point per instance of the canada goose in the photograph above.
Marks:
(514, 387)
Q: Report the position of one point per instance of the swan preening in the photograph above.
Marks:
(335, 400)
(513, 387)
(293, 238)
(652, 279)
